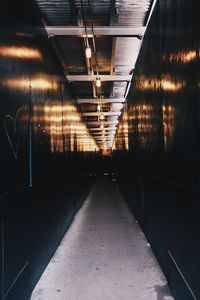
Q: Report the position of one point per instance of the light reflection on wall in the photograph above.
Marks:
(20, 52)
(166, 84)
(143, 118)
(121, 141)
(182, 56)
(39, 82)
(168, 124)
(143, 121)
(65, 128)
(24, 34)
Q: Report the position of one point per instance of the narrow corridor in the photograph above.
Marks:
(104, 255)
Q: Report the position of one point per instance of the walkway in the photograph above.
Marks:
(103, 256)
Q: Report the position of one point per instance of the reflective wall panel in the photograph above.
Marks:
(158, 160)
(47, 156)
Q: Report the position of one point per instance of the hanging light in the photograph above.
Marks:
(98, 107)
(98, 82)
(101, 117)
(88, 52)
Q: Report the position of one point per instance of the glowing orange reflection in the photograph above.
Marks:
(168, 124)
(20, 52)
(64, 126)
(182, 56)
(143, 121)
(24, 34)
(166, 84)
(121, 141)
(39, 82)
(106, 152)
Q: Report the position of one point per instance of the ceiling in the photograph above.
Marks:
(113, 29)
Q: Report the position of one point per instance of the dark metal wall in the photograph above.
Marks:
(158, 145)
(44, 161)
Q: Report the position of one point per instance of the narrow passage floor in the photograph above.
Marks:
(103, 256)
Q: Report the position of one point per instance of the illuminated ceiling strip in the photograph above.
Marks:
(98, 114)
(102, 100)
(102, 77)
(98, 30)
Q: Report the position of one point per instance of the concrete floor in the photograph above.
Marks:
(103, 256)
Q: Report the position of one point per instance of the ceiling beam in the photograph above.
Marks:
(118, 31)
(101, 100)
(105, 128)
(103, 132)
(102, 136)
(102, 77)
(98, 114)
(105, 140)
(96, 123)
(110, 133)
